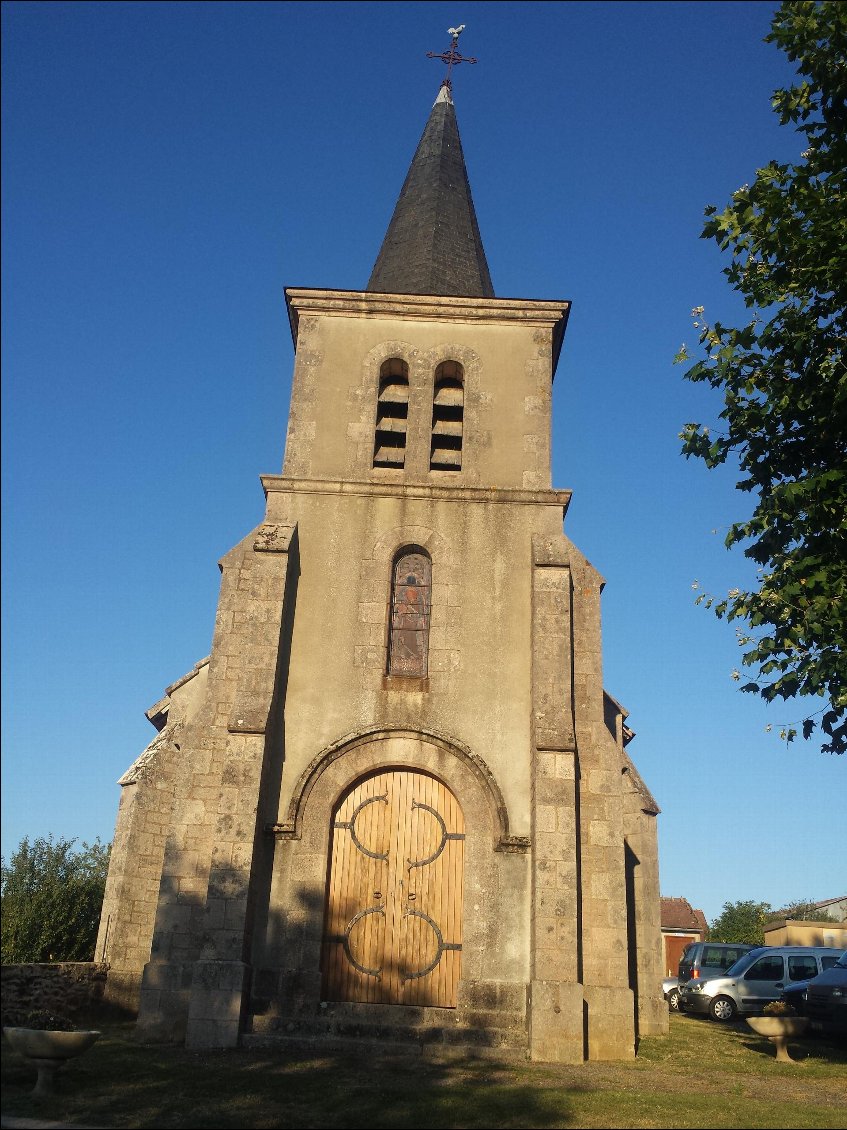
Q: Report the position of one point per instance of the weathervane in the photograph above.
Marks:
(453, 56)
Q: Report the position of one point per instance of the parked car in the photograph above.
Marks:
(795, 995)
(708, 959)
(824, 998)
(755, 980)
(670, 990)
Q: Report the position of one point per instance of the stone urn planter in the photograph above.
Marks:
(48, 1051)
(779, 1029)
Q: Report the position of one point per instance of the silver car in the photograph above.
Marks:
(670, 991)
(755, 980)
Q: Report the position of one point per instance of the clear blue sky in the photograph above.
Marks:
(170, 167)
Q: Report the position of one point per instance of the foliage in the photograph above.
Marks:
(745, 921)
(802, 911)
(784, 384)
(39, 1019)
(741, 922)
(51, 900)
(779, 1008)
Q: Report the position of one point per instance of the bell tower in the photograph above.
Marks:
(396, 795)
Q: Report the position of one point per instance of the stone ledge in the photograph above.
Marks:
(284, 484)
(452, 308)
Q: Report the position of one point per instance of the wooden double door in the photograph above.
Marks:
(393, 926)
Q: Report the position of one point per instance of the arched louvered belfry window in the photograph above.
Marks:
(411, 589)
(392, 414)
(448, 417)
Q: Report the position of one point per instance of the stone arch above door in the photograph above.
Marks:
(496, 885)
(464, 772)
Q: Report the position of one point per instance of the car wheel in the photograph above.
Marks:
(722, 1008)
(673, 1000)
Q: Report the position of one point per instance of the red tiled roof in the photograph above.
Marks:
(679, 914)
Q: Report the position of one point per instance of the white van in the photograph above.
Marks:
(756, 979)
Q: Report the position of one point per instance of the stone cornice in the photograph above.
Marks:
(282, 484)
(428, 307)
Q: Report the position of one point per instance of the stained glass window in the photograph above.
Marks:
(411, 588)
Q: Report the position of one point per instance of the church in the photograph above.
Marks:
(395, 803)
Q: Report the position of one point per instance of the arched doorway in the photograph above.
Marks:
(393, 925)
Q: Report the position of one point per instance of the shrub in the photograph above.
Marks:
(51, 896)
(40, 1019)
(779, 1008)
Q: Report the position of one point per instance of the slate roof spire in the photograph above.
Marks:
(433, 245)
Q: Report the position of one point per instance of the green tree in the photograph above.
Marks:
(741, 922)
(51, 898)
(804, 910)
(784, 383)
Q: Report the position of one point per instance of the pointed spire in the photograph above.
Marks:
(433, 245)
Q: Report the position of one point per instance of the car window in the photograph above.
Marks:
(744, 962)
(713, 955)
(827, 962)
(687, 960)
(732, 971)
(802, 968)
(731, 956)
(765, 969)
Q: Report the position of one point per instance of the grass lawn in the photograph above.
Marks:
(702, 1075)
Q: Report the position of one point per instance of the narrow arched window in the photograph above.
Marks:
(392, 414)
(448, 417)
(411, 588)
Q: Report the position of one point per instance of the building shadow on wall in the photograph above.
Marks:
(367, 992)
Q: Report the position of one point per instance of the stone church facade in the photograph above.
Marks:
(395, 802)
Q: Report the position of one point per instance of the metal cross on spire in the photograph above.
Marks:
(452, 57)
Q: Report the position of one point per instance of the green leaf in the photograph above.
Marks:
(783, 379)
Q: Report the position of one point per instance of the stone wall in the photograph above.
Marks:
(791, 932)
(69, 988)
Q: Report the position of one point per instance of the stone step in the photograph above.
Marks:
(400, 1016)
(360, 1046)
(347, 1027)
(356, 1029)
